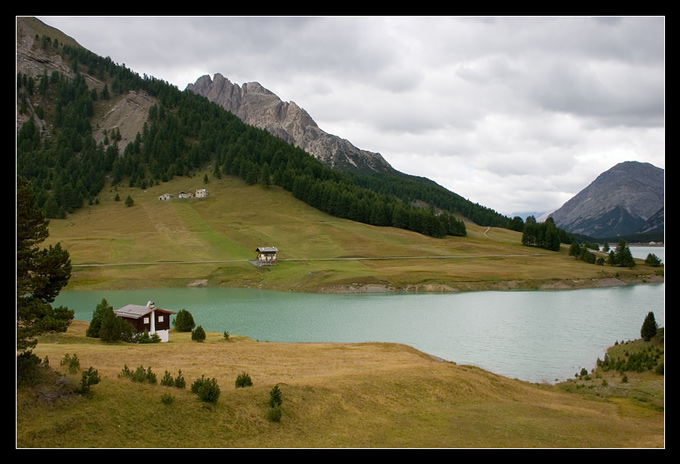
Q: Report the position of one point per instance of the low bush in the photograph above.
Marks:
(198, 334)
(243, 380)
(178, 382)
(206, 389)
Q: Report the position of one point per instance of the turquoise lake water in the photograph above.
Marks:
(530, 335)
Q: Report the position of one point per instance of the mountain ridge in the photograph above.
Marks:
(258, 106)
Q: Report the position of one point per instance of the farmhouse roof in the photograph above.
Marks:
(267, 249)
(136, 311)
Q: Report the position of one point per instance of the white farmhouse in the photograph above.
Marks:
(201, 193)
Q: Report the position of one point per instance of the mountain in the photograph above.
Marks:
(257, 106)
(627, 199)
(84, 121)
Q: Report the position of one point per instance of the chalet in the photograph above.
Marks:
(266, 256)
(185, 195)
(201, 193)
(165, 197)
(150, 318)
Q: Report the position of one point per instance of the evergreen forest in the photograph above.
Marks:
(185, 132)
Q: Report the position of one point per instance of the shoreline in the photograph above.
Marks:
(506, 285)
(433, 287)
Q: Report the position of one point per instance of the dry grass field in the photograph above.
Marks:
(368, 395)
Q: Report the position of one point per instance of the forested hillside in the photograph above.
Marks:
(57, 151)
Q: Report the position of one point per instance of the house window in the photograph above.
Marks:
(160, 318)
(146, 320)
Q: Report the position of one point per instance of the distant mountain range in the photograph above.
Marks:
(259, 107)
(625, 201)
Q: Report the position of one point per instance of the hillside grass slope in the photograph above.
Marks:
(210, 241)
(366, 395)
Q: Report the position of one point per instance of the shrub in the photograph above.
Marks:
(243, 380)
(198, 334)
(206, 389)
(275, 397)
(139, 375)
(144, 337)
(652, 260)
(126, 372)
(88, 378)
(274, 414)
(72, 363)
(168, 381)
(179, 381)
(167, 398)
(27, 368)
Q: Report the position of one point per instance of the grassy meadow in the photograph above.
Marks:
(209, 241)
(335, 395)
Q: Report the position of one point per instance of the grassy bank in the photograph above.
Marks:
(209, 241)
(334, 395)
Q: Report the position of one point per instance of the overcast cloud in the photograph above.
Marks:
(515, 113)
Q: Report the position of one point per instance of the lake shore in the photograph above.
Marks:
(476, 286)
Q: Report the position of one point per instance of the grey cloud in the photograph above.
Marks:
(502, 99)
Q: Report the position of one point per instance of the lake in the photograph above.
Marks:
(535, 336)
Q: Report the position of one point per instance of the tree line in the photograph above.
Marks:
(544, 234)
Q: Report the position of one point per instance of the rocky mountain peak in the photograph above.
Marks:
(258, 106)
(618, 202)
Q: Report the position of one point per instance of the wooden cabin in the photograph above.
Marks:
(266, 256)
(150, 318)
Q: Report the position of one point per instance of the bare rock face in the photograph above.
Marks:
(259, 107)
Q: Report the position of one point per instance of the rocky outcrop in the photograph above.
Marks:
(259, 107)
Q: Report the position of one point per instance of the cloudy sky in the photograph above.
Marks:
(515, 113)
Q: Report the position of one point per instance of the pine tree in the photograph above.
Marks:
(623, 255)
(184, 321)
(114, 328)
(275, 397)
(649, 327)
(97, 318)
(40, 275)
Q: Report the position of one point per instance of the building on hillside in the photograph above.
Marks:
(165, 197)
(150, 318)
(201, 193)
(185, 195)
(266, 256)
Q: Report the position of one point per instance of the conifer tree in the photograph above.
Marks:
(623, 256)
(649, 327)
(41, 273)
